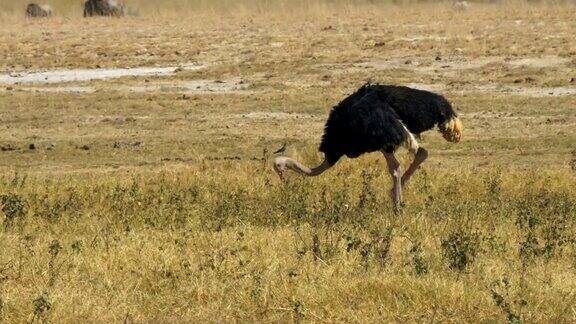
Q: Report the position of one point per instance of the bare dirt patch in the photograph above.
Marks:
(526, 91)
(539, 62)
(67, 89)
(75, 75)
(194, 86)
(449, 64)
(273, 115)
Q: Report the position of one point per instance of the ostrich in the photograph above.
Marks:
(381, 118)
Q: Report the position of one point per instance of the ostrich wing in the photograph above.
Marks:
(361, 124)
(419, 110)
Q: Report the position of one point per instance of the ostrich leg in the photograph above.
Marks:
(394, 169)
(419, 158)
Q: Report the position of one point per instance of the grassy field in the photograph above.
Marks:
(152, 198)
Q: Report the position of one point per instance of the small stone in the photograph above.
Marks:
(32, 146)
(8, 147)
(85, 147)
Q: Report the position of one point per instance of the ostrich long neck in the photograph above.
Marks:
(302, 169)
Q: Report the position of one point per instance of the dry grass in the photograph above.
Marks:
(160, 205)
(183, 245)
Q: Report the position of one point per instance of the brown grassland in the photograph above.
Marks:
(152, 198)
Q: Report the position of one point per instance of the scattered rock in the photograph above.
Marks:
(32, 146)
(38, 11)
(121, 145)
(85, 147)
(12, 88)
(224, 158)
(572, 80)
(8, 147)
(525, 80)
(438, 58)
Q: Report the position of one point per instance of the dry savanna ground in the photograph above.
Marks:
(138, 195)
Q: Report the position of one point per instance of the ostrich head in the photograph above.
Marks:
(452, 130)
(280, 166)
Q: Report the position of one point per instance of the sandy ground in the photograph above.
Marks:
(216, 86)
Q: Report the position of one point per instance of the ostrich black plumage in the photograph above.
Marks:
(381, 118)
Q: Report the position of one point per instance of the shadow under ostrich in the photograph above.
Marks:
(381, 118)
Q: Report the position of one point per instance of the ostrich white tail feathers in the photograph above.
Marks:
(410, 143)
(452, 129)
